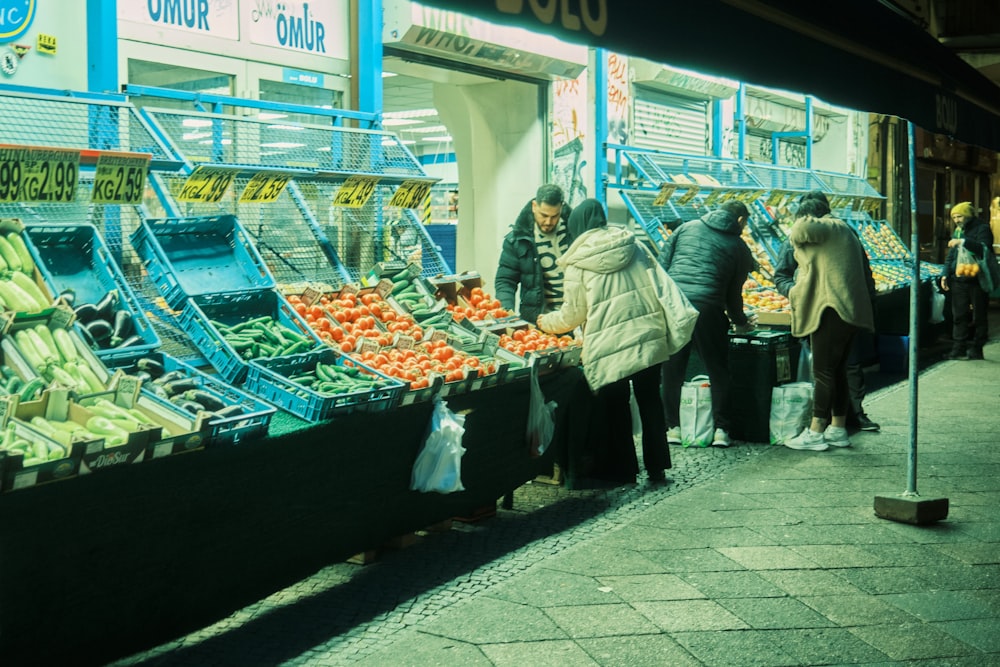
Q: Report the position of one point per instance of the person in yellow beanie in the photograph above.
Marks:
(966, 292)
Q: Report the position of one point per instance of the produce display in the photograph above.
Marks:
(262, 337)
(34, 450)
(182, 388)
(18, 290)
(880, 242)
(525, 341)
(105, 325)
(109, 422)
(478, 306)
(50, 353)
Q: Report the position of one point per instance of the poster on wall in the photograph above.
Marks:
(215, 18)
(569, 123)
(318, 28)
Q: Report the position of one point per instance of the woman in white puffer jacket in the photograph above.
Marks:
(610, 291)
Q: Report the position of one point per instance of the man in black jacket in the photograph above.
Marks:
(536, 240)
(965, 290)
(816, 204)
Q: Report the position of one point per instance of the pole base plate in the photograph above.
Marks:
(911, 509)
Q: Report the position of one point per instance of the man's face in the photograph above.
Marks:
(546, 216)
(960, 220)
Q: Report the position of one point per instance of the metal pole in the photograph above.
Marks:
(911, 485)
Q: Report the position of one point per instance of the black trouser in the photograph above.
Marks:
(655, 453)
(831, 346)
(965, 293)
(856, 389)
(711, 339)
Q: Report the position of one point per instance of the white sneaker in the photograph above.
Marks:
(836, 436)
(721, 438)
(674, 435)
(808, 439)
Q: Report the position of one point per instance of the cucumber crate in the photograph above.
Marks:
(285, 382)
(74, 261)
(230, 329)
(188, 257)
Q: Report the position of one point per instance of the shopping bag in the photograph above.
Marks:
(805, 370)
(541, 417)
(697, 423)
(438, 466)
(937, 307)
(791, 410)
(989, 271)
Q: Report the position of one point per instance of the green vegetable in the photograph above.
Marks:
(9, 255)
(30, 288)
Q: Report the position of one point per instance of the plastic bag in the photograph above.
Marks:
(937, 307)
(697, 422)
(439, 464)
(791, 410)
(805, 370)
(541, 417)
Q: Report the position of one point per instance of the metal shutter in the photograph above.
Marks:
(670, 123)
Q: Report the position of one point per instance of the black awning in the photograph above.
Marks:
(854, 53)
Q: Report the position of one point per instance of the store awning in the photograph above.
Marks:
(854, 53)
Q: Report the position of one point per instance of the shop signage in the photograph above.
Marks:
(38, 174)
(264, 187)
(120, 179)
(410, 194)
(316, 27)
(215, 18)
(207, 184)
(15, 18)
(301, 78)
(355, 191)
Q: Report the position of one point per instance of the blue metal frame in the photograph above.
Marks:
(102, 45)
(601, 125)
(776, 137)
(370, 57)
(741, 118)
(717, 139)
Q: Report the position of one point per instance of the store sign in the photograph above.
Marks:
(31, 174)
(319, 28)
(301, 78)
(410, 194)
(215, 18)
(264, 187)
(15, 18)
(355, 191)
(120, 179)
(207, 184)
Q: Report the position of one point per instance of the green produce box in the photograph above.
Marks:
(15, 470)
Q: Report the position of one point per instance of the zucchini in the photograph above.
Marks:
(16, 298)
(64, 343)
(9, 255)
(31, 389)
(27, 264)
(30, 288)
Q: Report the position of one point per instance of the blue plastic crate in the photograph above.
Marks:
(188, 257)
(230, 309)
(270, 379)
(75, 257)
(251, 424)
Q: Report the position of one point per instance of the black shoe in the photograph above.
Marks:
(956, 355)
(975, 355)
(866, 424)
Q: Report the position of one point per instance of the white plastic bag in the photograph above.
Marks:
(791, 410)
(937, 307)
(541, 417)
(439, 464)
(697, 423)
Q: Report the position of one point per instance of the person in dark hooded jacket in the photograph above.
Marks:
(709, 261)
(977, 237)
(536, 241)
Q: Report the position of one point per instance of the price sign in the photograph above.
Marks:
(264, 187)
(120, 179)
(207, 184)
(355, 191)
(713, 197)
(775, 198)
(38, 174)
(685, 198)
(410, 194)
(666, 191)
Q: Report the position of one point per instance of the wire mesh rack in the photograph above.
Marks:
(846, 184)
(773, 177)
(670, 167)
(77, 123)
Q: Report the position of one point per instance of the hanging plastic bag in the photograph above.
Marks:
(791, 410)
(805, 369)
(697, 421)
(541, 417)
(937, 307)
(438, 466)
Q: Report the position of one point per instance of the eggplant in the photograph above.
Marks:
(144, 376)
(67, 296)
(229, 411)
(158, 390)
(122, 327)
(189, 406)
(208, 400)
(151, 366)
(180, 385)
(100, 332)
(107, 305)
(167, 378)
(128, 342)
(85, 312)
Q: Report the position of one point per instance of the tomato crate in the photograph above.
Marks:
(200, 313)
(74, 258)
(271, 379)
(189, 257)
(250, 423)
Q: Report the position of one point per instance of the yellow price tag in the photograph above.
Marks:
(663, 196)
(38, 174)
(120, 179)
(775, 198)
(685, 198)
(355, 191)
(713, 197)
(265, 187)
(410, 194)
(207, 184)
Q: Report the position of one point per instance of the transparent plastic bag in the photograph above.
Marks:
(541, 417)
(438, 466)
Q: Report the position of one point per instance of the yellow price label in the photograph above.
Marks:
(663, 196)
(410, 194)
(355, 191)
(207, 184)
(685, 198)
(38, 174)
(120, 179)
(775, 198)
(265, 187)
(713, 197)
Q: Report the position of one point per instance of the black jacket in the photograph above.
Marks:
(709, 262)
(519, 266)
(978, 239)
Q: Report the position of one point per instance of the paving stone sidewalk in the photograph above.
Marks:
(756, 555)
